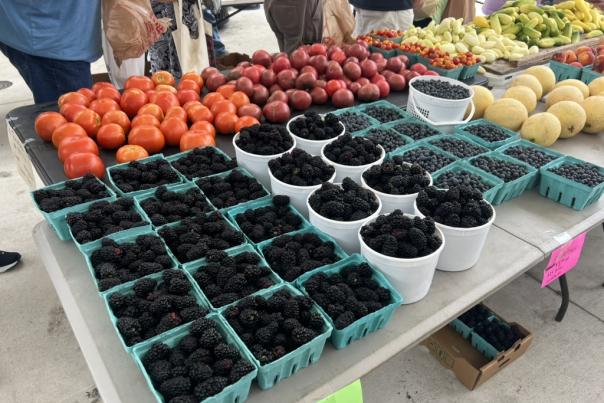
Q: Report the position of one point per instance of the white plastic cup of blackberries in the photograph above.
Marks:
(464, 244)
(391, 202)
(343, 232)
(353, 172)
(257, 164)
(310, 145)
(412, 277)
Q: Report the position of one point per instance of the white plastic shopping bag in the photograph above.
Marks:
(129, 67)
(192, 53)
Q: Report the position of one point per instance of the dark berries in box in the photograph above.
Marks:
(232, 189)
(103, 218)
(354, 121)
(478, 313)
(274, 326)
(76, 191)
(456, 207)
(268, 222)
(348, 202)
(225, 279)
(353, 151)
(396, 177)
(532, 156)
(299, 168)
(202, 162)
(311, 126)
(143, 175)
(508, 171)
(416, 131)
(500, 336)
(458, 147)
(441, 89)
(461, 178)
(264, 139)
(387, 138)
(200, 365)
(166, 206)
(349, 295)
(192, 238)
(488, 132)
(116, 263)
(383, 113)
(153, 307)
(401, 236)
(428, 159)
(589, 175)
(293, 255)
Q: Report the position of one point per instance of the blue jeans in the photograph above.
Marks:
(219, 48)
(47, 78)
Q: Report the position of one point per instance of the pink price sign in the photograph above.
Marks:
(563, 259)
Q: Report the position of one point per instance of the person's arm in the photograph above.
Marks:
(490, 6)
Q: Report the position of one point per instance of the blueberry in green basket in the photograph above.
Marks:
(416, 131)
(354, 121)
(508, 171)
(461, 178)
(488, 132)
(530, 155)
(383, 113)
(582, 173)
(387, 138)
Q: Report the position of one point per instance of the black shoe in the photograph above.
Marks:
(8, 260)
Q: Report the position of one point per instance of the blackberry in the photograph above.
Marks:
(143, 175)
(300, 168)
(166, 206)
(348, 202)
(202, 162)
(264, 139)
(457, 207)
(441, 89)
(416, 131)
(461, 178)
(232, 189)
(586, 174)
(383, 114)
(428, 159)
(354, 122)
(507, 171)
(488, 132)
(312, 126)
(352, 151)
(159, 371)
(459, 147)
(210, 387)
(387, 138)
(76, 191)
(394, 176)
(268, 222)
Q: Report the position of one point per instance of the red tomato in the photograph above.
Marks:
(70, 110)
(67, 130)
(108, 92)
(104, 105)
(189, 85)
(88, 93)
(211, 98)
(164, 88)
(333, 85)
(239, 98)
(199, 112)
(185, 96)
(225, 122)
(80, 164)
(177, 112)
(140, 82)
(191, 75)
(245, 121)
(194, 139)
(102, 84)
(204, 126)
(190, 103)
(89, 120)
(118, 117)
(132, 100)
(145, 120)
(165, 100)
(46, 123)
(73, 98)
(148, 137)
(151, 109)
(76, 144)
(163, 77)
(173, 129)
(130, 153)
(226, 90)
(223, 106)
(111, 136)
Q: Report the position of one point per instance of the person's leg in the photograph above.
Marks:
(313, 21)
(271, 22)
(219, 48)
(8, 260)
(288, 21)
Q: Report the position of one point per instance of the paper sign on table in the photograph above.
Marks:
(563, 259)
(352, 393)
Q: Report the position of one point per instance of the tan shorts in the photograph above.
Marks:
(295, 22)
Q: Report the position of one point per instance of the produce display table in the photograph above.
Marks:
(526, 230)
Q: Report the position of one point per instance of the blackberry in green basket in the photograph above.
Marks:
(478, 313)
(354, 122)
(195, 380)
(396, 177)
(269, 221)
(497, 334)
(348, 296)
(416, 131)
(387, 138)
(166, 206)
(507, 171)
(461, 178)
(383, 114)
(459, 148)
(143, 175)
(488, 132)
(532, 156)
(76, 191)
(281, 335)
(230, 190)
(456, 207)
(202, 162)
(430, 160)
(582, 173)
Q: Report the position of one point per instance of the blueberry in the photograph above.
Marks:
(354, 121)
(461, 178)
(416, 131)
(532, 156)
(441, 89)
(488, 132)
(387, 138)
(458, 147)
(426, 158)
(583, 173)
(383, 113)
(508, 171)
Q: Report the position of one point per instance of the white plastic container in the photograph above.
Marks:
(390, 202)
(313, 147)
(411, 277)
(344, 232)
(354, 172)
(298, 195)
(464, 245)
(256, 164)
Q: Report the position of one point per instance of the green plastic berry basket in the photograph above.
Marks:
(512, 189)
(512, 136)
(468, 72)
(419, 144)
(56, 219)
(387, 53)
(313, 230)
(461, 328)
(385, 104)
(178, 188)
(588, 75)
(273, 372)
(89, 246)
(256, 204)
(121, 239)
(117, 167)
(527, 144)
(127, 289)
(234, 393)
(565, 71)
(388, 126)
(175, 157)
(565, 191)
(450, 73)
(411, 119)
(372, 122)
(191, 270)
(432, 140)
(493, 181)
(341, 338)
(222, 175)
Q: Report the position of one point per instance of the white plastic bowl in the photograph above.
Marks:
(411, 277)
(298, 195)
(390, 202)
(344, 232)
(256, 164)
(353, 172)
(464, 245)
(313, 147)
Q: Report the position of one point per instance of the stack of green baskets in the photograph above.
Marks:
(564, 71)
